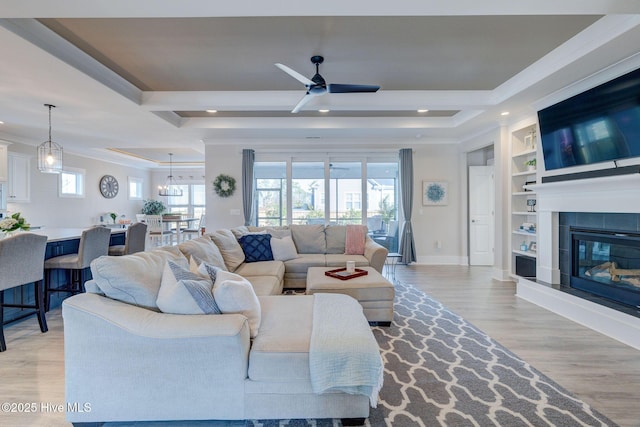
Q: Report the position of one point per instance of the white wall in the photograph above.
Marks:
(226, 159)
(49, 210)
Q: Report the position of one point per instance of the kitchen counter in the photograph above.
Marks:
(60, 234)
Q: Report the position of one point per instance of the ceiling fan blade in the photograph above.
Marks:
(303, 101)
(346, 88)
(296, 75)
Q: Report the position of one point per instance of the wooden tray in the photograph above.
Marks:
(341, 273)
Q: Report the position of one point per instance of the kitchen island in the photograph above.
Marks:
(60, 241)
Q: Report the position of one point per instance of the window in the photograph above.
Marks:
(329, 191)
(71, 183)
(135, 188)
(191, 203)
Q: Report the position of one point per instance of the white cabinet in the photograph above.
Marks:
(19, 183)
(4, 172)
(523, 218)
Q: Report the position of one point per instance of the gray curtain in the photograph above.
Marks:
(248, 159)
(407, 245)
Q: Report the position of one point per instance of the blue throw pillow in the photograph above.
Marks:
(256, 247)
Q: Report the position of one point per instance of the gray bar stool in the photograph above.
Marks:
(134, 241)
(94, 243)
(21, 263)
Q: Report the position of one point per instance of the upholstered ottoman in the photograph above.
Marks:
(374, 293)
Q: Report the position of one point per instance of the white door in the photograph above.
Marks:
(481, 215)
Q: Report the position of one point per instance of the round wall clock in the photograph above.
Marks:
(109, 186)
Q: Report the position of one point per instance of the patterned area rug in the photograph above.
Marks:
(442, 371)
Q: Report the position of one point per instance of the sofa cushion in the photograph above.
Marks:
(135, 278)
(265, 285)
(280, 353)
(184, 292)
(354, 240)
(283, 249)
(238, 296)
(309, 238)
(303, 262)
(204, 250)
(335, 236)
(256, 247)
(230, 249)
(262, 268)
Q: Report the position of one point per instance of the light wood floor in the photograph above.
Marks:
(599, 370)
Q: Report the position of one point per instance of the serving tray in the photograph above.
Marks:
(341, 273)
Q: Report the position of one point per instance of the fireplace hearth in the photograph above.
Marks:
(606, 264)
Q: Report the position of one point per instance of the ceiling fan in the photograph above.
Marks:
(318, 86)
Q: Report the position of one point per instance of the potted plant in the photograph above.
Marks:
(530, 164)
(153, 207)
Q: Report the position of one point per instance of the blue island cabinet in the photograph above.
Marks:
(56, 246)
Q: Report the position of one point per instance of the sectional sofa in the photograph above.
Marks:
(132, 357)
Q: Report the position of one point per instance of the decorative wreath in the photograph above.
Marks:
(224, 185)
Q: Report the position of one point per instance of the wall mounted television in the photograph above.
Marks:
(599, 125)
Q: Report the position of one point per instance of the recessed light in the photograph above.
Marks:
(212, 111)
(504, 113)
(423, 110)
(324, 110)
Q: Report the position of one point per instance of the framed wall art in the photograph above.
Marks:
(435, 193)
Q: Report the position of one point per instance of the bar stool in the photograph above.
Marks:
(21, 263)
(134, 241)
(94, 243)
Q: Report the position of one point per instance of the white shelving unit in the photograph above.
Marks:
(522, 214)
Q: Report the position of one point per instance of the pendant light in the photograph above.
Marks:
(170, 188)
(49, 153)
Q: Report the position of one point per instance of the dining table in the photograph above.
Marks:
(175, 222)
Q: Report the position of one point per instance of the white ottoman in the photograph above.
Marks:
(374, 293)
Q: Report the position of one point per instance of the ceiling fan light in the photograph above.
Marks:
(324, 110)
(49, 153)
(423, 110)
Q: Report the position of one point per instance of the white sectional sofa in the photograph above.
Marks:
(132, 362)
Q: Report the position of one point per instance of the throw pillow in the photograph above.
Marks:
(230, 249)
(354, 241)
(238, 296)
(283, 249)
(185, 292)
(256, 247)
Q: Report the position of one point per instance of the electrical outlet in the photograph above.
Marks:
(235, 212)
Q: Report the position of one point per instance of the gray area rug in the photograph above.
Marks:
(442, 371)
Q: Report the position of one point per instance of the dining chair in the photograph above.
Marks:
(94, 243)
(194, 232)
(157, 230)
(134, 241)
(21, 263)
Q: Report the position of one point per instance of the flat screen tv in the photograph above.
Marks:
(599, 125)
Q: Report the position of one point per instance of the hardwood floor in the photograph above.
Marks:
(599, 370)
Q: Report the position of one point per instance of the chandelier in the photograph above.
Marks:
(170, 188)
(49, 153)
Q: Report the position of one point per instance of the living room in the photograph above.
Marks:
(104, 132)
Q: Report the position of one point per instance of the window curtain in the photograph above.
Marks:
(248, 159)
(407, 245)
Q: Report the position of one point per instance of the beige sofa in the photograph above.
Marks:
(316, 246)
(132, 362)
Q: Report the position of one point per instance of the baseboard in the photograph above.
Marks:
(609, 322)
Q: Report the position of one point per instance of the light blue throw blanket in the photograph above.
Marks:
(343, 354)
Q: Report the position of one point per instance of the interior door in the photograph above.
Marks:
(481, 215)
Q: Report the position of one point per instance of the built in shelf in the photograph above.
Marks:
(525, 173)
(526, 213)
(525, 153)
(523, 233)
(525, 253)
(523, 193)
